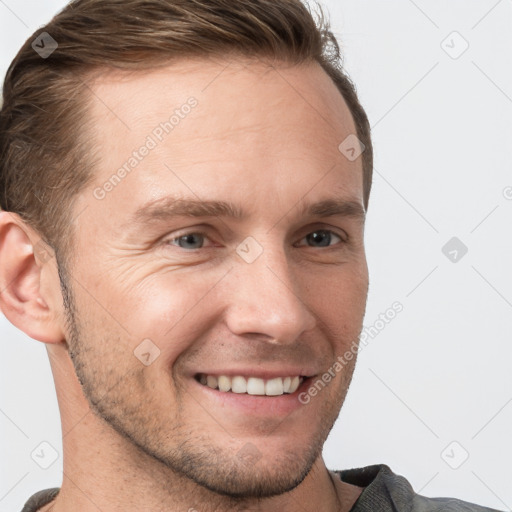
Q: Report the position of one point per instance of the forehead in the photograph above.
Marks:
(230, 127)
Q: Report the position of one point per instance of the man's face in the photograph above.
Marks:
(277, 292)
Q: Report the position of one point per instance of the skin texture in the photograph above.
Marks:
(140, 437)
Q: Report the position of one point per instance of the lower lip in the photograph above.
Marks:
(257, 405)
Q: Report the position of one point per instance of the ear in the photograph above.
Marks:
(24, 258)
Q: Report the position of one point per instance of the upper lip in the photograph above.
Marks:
(260, 372)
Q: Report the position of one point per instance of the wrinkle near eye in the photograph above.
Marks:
(135, 263)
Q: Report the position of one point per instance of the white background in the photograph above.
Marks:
(440, 371)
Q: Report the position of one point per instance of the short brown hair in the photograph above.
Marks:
(46, 156)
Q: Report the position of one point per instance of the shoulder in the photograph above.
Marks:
(389, 492)
(40, 499)
(423, 504)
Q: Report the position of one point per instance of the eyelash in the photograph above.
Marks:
(201, 233)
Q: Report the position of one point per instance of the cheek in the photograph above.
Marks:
(171, 311)
(346, 285)
(156, 301)
(340, 306)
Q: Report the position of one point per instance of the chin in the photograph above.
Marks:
(252, 481)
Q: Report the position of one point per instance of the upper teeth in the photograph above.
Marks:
(252, 385)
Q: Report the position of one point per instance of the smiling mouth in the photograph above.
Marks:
(251, 385)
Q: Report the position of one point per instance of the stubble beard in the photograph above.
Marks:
(192, 460)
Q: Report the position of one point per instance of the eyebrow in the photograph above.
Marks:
(166, 209)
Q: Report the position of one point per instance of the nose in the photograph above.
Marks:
(266, 300)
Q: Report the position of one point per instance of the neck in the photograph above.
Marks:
(103, 476)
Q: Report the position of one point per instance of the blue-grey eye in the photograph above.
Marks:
(189, 239)
(322, 237)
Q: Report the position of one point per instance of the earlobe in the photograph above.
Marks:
(22, 262)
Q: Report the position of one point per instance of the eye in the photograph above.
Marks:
(323, 237)
(195, 239)
(188, 238)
